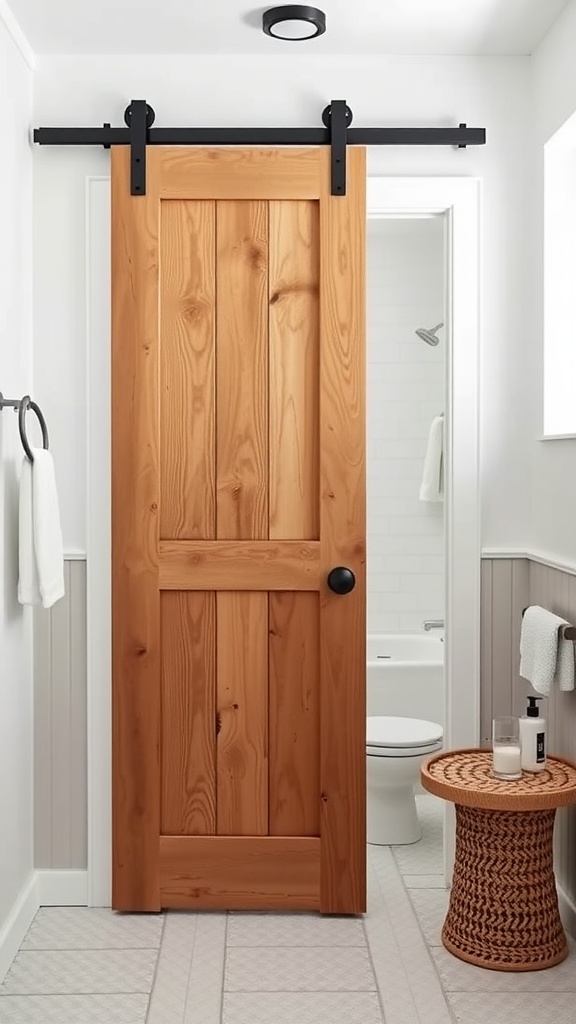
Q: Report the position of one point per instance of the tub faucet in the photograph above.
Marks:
(433, 624)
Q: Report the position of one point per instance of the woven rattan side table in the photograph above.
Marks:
(503, 911)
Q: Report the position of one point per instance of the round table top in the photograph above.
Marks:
(465, 777)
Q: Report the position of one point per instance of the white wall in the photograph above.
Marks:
(490, 92)
(405, 391)
(15, 380)
(552, 527)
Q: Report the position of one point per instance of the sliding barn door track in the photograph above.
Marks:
(336, 133)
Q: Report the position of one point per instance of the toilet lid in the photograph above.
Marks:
(384, 731)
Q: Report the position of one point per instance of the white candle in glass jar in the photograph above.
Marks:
(507, 759)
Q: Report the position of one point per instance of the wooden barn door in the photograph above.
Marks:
(238, 484)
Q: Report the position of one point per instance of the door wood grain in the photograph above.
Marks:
(136, 651)
(242, 371)
(294, 715)
(342, 531)
(243, 565)
(240, 873)
(242, 740)
(188, 713)
(238, 479)
(294, 368)
(187, 394)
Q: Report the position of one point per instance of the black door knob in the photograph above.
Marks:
(341, 580)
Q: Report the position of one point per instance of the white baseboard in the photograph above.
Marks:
(17, 924)
(567, 911)
(62, 888)
(43, 889)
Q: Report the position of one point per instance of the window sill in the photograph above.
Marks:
(557, 437)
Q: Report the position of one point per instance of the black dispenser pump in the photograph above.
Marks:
(533, 711)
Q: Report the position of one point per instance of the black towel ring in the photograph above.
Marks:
(25, 404)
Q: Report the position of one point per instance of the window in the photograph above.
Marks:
(560, 282)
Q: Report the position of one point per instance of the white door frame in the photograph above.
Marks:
(458, 199)
(99, 541)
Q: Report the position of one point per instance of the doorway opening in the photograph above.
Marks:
(405, 398)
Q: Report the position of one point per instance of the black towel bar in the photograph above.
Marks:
(22, 405)
(568, 632)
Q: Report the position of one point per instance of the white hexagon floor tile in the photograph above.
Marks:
(328, 969)
(424, 881)
(301, 1007)
(204, 1000)
(90, 971)
(458, 976)
(92, 928)
(391, 975)
(408, 983)
(430, 906)
(95, 1009)
(188, 984)
(513, 1008)
(171, 984)
(293, 930)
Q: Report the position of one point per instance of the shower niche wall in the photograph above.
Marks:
(405, 393)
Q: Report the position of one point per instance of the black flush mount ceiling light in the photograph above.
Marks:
(294, 22)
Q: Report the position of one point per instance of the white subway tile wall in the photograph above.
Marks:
(406, 388)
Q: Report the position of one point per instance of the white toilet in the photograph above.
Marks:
(395, 749)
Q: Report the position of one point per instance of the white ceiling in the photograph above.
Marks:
(232, 26)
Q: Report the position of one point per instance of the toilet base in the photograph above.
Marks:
(391, 805)
(392, 817)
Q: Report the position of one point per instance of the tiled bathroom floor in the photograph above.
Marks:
(83, 966)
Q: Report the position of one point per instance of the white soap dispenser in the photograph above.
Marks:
(533, 738)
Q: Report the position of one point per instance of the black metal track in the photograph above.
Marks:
(337, 134)
(106, 136)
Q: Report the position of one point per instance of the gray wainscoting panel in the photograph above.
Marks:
(60, 800)
(505, 592)
(556, 590)
(508, 586)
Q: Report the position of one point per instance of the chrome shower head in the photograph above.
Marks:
(429, 336)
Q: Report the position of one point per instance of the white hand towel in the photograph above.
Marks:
(565, 671)
(28, 592)
(40, 544)
(432, 487)
(545, 657)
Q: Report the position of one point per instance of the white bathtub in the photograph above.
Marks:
(405, 676)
